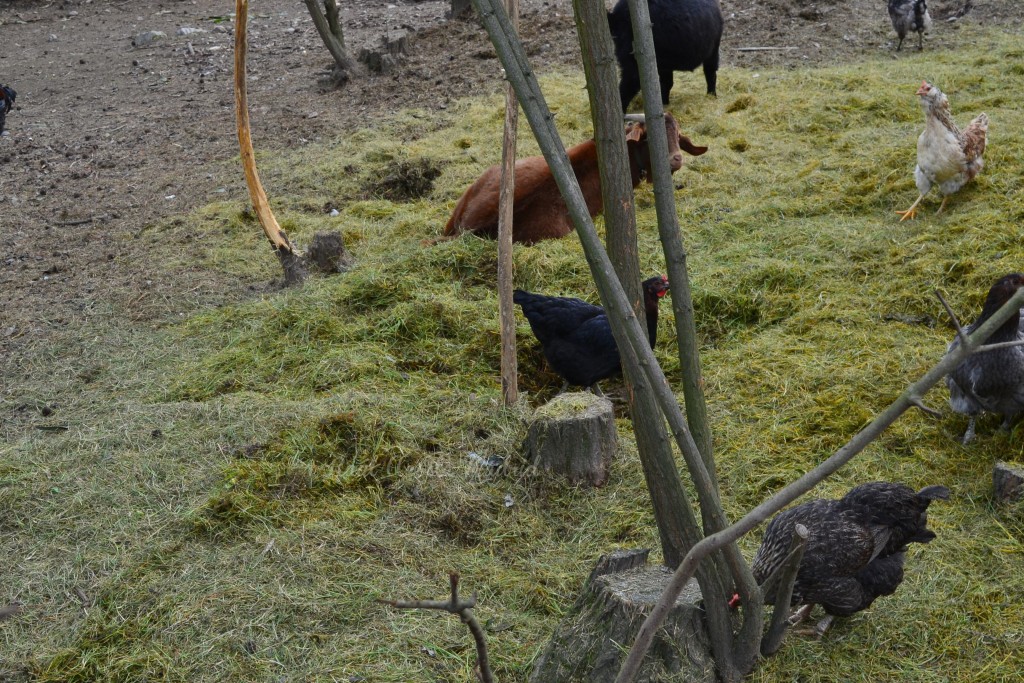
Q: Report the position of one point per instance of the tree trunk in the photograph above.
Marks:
(331, 33)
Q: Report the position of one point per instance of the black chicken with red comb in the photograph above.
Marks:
(577, 337)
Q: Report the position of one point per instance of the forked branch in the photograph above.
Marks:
(464, 609)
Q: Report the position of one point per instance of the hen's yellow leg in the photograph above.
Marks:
(912, 211)
(943, 205)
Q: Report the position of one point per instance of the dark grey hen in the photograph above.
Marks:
(7, 97)
(992, 381)
(908, 16)
(856, 546)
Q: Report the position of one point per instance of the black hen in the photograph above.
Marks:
(907, 16)
(992, 381)
(577, 337)
(7, 96)
(856, 546)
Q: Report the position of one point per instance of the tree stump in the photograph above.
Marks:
(385, 56)
(590, 644)
(574, 434)
(1007, 483)
(460, 7)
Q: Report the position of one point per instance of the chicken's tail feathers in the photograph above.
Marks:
(934, 492)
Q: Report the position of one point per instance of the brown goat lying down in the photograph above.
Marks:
(538, 212)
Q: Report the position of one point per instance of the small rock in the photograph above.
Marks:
(52, 38)
(148, 38)
(188, 31)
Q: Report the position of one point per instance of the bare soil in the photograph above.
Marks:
(108, 137)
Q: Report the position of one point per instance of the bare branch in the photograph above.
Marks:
(785, 575)
(952, 316)
(920, 405)
(464, 609)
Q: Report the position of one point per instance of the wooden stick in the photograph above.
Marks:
(506, 198)
(762, 49)
(278, 238)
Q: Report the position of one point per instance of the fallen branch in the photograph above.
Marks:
(463, 608)
(911, 396)
(762, 49)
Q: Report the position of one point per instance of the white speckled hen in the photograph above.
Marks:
(992, 381)
(577, 337)
(856, 547)
(946, 156)
(907, 16)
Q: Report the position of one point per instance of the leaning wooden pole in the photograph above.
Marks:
(506, 196)
(290, 261)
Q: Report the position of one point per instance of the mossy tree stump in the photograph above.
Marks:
(574, 435)
(590, 644)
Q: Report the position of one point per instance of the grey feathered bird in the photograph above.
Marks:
(907, 16)
(856, 546)
(993, 381)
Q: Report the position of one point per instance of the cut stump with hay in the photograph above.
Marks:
(589, 644)
(574, 435)
(1007, 483)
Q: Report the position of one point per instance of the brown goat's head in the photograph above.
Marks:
(639, 154)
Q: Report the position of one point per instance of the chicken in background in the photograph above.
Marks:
(855, 550)
(7, 96)
(946, 156)
(907, 16)
(993, 381)
(577, 337)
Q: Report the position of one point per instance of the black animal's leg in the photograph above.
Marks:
(711, 72)
(665, 77)
(629, 85)
(899, 44)
(596, 390)
(920, 40)
(565, 385)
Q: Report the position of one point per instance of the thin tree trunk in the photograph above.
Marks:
(506, 197)
(668, 497)
(331, 33)
(734, 656)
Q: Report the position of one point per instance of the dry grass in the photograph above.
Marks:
(233, 492)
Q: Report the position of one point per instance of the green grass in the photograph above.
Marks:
(234, 491)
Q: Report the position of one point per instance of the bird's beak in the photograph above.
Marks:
(925, 87)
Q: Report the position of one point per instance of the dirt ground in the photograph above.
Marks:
(108, 136)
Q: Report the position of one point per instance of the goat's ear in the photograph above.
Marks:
(635, 131)
(686, 144)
